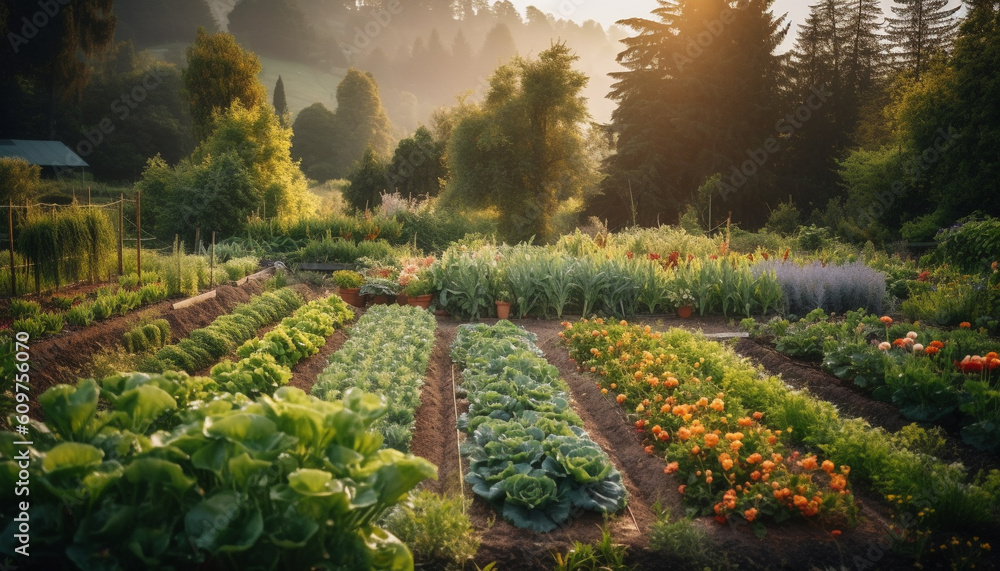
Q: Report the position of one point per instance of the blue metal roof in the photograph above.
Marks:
(42, 153)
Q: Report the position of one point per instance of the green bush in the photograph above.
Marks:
(437, 530)
(147, 336)
(30, 325)
(971, 245)
(784, 219)
(683, 542)
(81, 315)
(21, 308)
(53, 322)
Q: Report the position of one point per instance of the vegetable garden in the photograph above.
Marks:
(278, 426)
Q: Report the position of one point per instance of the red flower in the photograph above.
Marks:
(629, 255)
(766, 256)
(922, 276)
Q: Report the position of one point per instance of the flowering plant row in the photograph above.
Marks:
(267, 361)
(927, 489)
(387, 354)
(932, 375)
(731, 462)
(530, 457)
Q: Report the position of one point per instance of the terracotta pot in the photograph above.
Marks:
(351, 296)
(401, 299)
(421, 301)
(503, 309)
(684, 311)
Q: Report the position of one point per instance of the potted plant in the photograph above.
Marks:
(503, 305)
(349, 283)
(683, 300)
(379, 289)
(420, 291)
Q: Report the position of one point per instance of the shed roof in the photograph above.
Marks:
(42, 153)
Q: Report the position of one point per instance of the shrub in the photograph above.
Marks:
(53, 322)
(30, 325)
(436, 529)
(346, 279)
(682, 541)
(831, 288)
(81, 315)
(21, 308)
(970, 245)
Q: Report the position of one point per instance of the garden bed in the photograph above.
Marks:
(854, 401)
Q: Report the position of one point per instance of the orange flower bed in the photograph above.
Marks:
(730, 463)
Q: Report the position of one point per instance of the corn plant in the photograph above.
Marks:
(591, 278)
(558, 284)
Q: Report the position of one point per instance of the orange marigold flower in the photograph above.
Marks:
(758, 415)
(886, 320)
(828, 466)
(750, 514)
(808, 463)
(656, 429)
(717, 405)
(702, 402)
(640, 424)
(665, 409)
(745, 421)
(835, 533)
(726, 461)
(614, 385)
(649, 449)
(772, 439)
(735, 445)
(767, 465)
(755, 475)
(637, 375)
(620, 399)
(711, 440)
(663, 436)
(671, 382)
(696, 450)
(965, 325)
(931, 350)
(683, 433)
(681, 488)
(799, 501)
(754, 458)
(671, 468)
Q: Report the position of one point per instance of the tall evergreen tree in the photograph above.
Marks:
(313, 138)
(921, 29)
(702, 87)
(279, 102)
(360, 122)
(838, 48)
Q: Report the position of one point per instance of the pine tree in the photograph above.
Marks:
(702, 86)
(921, 29)
(280, 104)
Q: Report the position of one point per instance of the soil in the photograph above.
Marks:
(796, 545)
(792, 546)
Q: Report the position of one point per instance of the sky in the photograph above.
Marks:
(608, 11)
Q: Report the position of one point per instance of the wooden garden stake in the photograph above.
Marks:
(10, 230)
(211, 264)
(121, 233)
(138, 235)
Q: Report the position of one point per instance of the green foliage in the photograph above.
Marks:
(368, 181)
(604, 555)
(437, 530)
(69, 245)
(339, 250)
(20, 308)
(404, 336)
(146, 336)
(784, 219)
(535, 103)
(204, 346)
(19, 180)
(360, 122)
(971, 246)
(81, 315)
(210, 477)
(313, 140)
(418, 166)
(529, 456)
(346, 279)
(682, 541)
(219, 74)
(242, 169)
